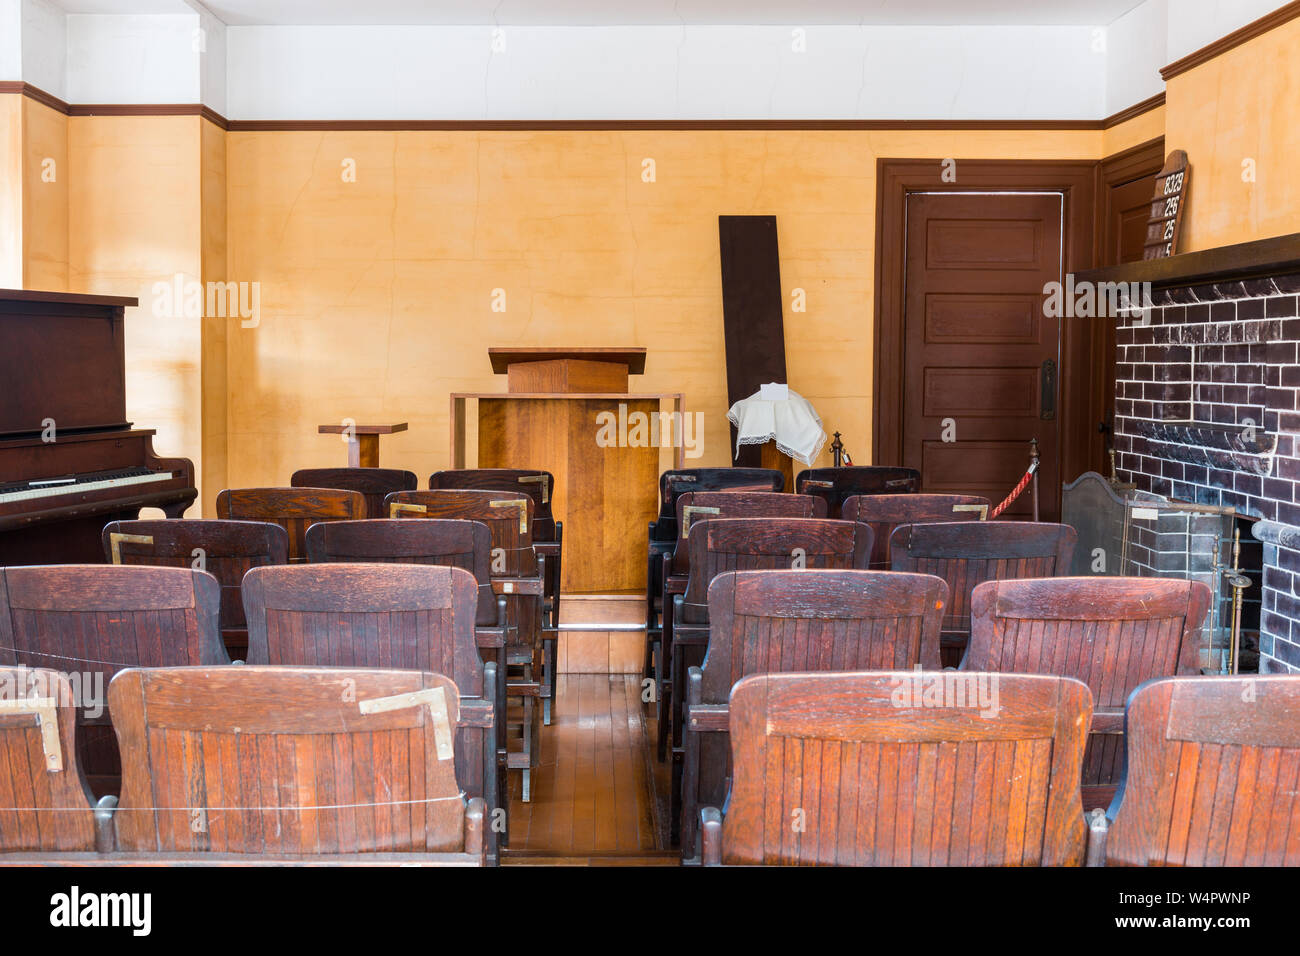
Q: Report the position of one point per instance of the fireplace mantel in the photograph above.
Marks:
(1261, 259)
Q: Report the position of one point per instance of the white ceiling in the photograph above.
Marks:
(632, 12)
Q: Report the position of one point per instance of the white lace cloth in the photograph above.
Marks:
(792, 423)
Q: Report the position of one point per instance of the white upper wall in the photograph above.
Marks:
(11, 39)
(133, 59)
(695, 72)
(1135, 52)
(45, 46)
(611, 71)
(1197, 23)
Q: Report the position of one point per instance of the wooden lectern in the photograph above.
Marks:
(569, 411)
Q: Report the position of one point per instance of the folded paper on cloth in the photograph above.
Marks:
(792, 423)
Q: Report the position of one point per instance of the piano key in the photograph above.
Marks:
(80, 487)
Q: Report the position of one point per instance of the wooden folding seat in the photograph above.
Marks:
(45, 802)
(515, 573)
(886, 512)
(764, 622)
(663, 530)
(1211, 777)
(548, 534)
(294, 509)
(1110, 633)
(225, 549)
(93, 620)
(836, 485)
(306, 765)
(966, 554)
(744, 544)
(695, 506)
(548, 542)
(903, 768)
(400, 616)
(374, 483)
(449, 542)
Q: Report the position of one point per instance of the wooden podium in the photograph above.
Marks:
(569, 411)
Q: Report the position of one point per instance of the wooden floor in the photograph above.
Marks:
(597, 792)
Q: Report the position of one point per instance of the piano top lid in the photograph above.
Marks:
(503, 358)
(70, 298)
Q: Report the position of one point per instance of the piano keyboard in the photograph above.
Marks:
(79, 484)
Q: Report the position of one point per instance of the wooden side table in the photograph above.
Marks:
(363, 443)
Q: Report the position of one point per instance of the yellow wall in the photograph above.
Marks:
(45, 197)
(11, 190)
(1140, 129)
(1241, 105)
(214, 340)
(376, 295)
(134, 219)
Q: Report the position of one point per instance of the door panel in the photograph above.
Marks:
(975, 341)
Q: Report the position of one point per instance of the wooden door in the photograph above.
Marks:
(981, 361)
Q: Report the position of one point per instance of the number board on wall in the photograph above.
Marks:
(1166, 219)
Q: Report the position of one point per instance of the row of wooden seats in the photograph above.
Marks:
(511, 566)
(832, 485)
(267, 765)
(705, 494)
(96, 620)
(1110, 633)
(831, 769)
(304, 503)
(963, 554)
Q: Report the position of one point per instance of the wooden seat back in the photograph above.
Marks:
(968, 553)
(508, 516)
(403, 616)
(538, 485)
(294, 509)
(95, 620)
(373, 483)
(398, 616)
(288, 761)
(886, 512)
(45, 803)
(755, 544)
(1111, 633)
(449, 542)
(864, 769)
(820, 620)
(677, 482)
(225, 549)
(695, 506)
(766, 622)
(1211, 774)
(837, 485)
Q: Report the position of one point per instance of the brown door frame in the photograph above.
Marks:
(1137, 162)
(1081, 401)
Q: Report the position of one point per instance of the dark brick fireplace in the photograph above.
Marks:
(1206, 386)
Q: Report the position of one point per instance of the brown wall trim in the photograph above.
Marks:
(1137, 109)
(113, 109)
(1234, 39)
(36, 93)
(196, 109)
(150, 109)
(1141, 152)
(614, 125)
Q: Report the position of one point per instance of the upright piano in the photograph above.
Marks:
(70, 462)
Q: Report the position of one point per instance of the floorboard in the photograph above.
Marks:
(598, 792)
